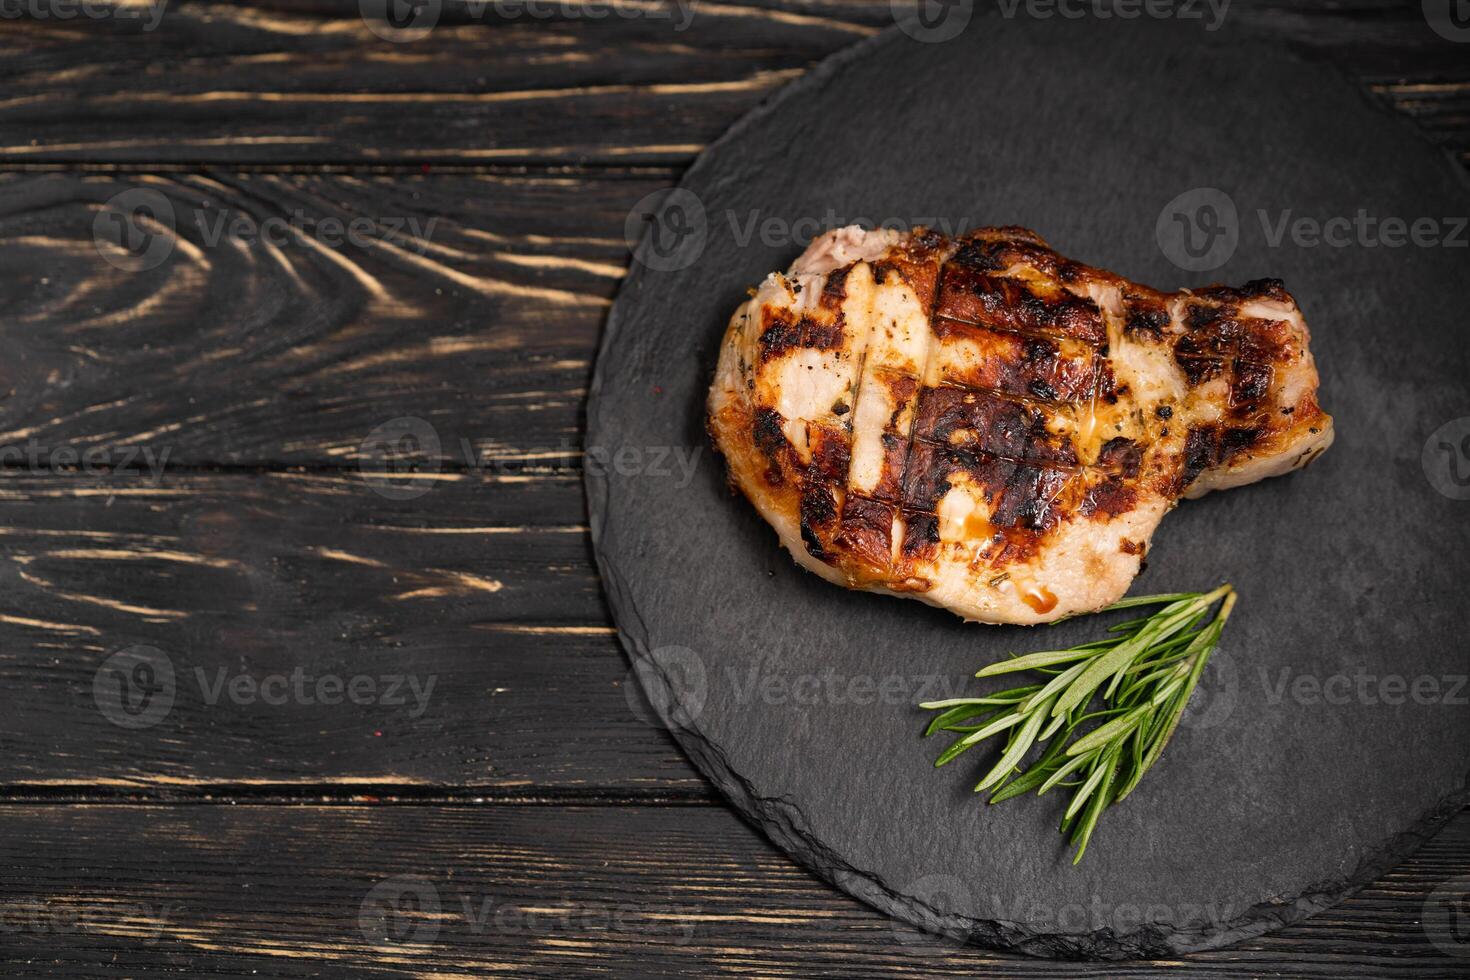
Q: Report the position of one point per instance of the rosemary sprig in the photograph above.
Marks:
(1142, 674)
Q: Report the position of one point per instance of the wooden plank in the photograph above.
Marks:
(236, 83)
(305, 630)
(592, 82)
(472, 302)
(466, 891)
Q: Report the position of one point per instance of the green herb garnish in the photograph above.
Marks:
(1145, 671)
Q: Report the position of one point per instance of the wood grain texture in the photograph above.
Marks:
(237, 365)
(310, 83)
(307, 83)
(467, 891)
(252, 326)
(469, 618)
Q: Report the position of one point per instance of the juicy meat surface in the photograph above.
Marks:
(989, 427)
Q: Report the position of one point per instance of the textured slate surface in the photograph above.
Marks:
(1331, 727)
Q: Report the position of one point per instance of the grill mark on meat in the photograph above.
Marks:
(901, 387)
(926, 540)
(834, 290)
(831, 453)
(986, 421)
(832, 448)
(1256, 289)
(972, 463)
(1267, 342)
(1143, 319)
(895, 458)
(1020, 363)
(1199, 370)
(920, 536)
(780, 333)
(1120, 455)
(1020, 495)
(1201, 452)
(1208, 446)
(867, 532)
(1250, 384)
(770, 439)
(1111, 497)
(822, 336)
(1011, 304)
(1235, 441)
(1027, 496)
(830, 331)
(818, 510)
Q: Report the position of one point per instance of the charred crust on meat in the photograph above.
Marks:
(920, 536)
(1109, 498)
(823, 336)
(781, 333)
(818, 509)
(901, 388)
(1019, 495)
(770, 439)
(989, 423)
(1028, 498)
(834, 291)
(1234, 441)
(1022, 364)
(1256, 289)
(1250, 384)
(866, 532)
(831, 453)
(1199, 370)
(1121, 456)
(1005, 425)
(980, 254)
(1145, 321)
(1010, 304)
(1201, 316)
(895, 459)
(1201, 452)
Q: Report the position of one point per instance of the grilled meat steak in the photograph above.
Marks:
(987, 426)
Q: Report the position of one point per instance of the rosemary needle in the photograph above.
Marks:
(1143, 674)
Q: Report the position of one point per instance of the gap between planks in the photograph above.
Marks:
(534, 169)
(346, 793)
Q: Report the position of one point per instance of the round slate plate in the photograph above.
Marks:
(1329, 735)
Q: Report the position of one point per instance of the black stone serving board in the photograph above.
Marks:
(1330, 732)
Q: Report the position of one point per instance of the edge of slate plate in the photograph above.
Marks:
(782, 821)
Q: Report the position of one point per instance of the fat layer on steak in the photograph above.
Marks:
(989, 427)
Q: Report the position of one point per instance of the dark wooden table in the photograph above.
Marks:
(276, 706)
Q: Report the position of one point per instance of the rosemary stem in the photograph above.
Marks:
(1140, 679)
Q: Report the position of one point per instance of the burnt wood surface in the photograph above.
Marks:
(193, 467)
